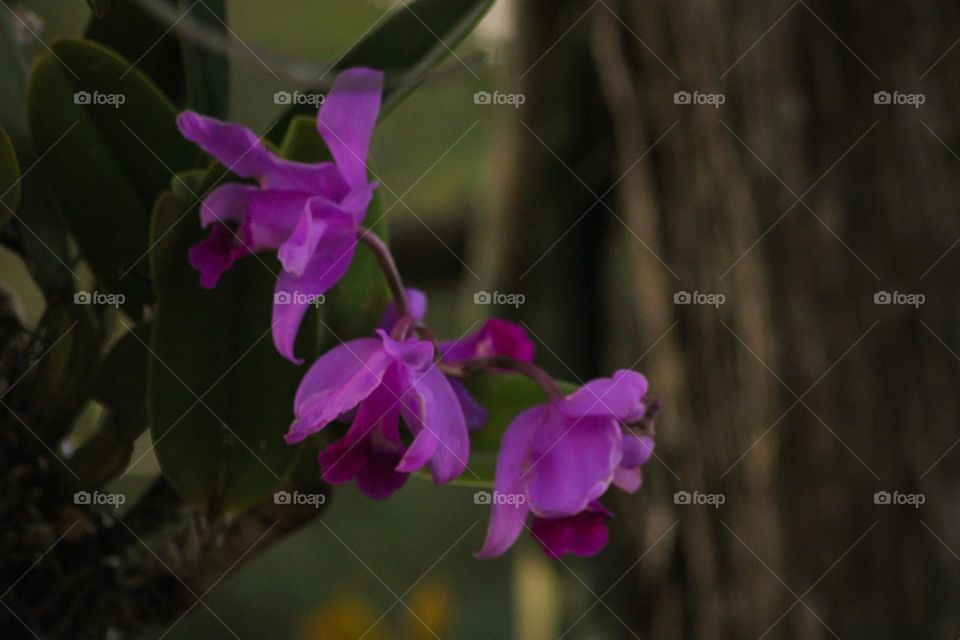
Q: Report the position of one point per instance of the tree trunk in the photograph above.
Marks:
(798, 198)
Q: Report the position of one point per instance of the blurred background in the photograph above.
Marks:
(738, 200)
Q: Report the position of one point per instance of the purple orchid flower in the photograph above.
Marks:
(384, 379)
(308, 213)
(556, 460)
(495, 338)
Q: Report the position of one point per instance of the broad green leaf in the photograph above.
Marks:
(72, 338)
(120, 386)
(406, 46)
(219, 396)
(41, 231)
(9, 179)
(13, 80)
(503, 395)
(302, 142)
(109, 137)
(206, 71)
(354, 306)
(137, 35)
(120, 382)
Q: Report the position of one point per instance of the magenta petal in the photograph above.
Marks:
(618, 396)
(347, 118)
(234, 146)
(370, 450)
(243, 153)
(412, 352)
(296, 251)
(628, 480)
(474, 413)
(213, 255)
(441, 418)
(322, 179)
(423, 447)
(637, 449)
(584, 534)
(572, 462)
(357, 201)
(294, 294)
(416, 305)
(272, 216)
(226, 204)
(336, 383)
(507, 517)
(495, 338)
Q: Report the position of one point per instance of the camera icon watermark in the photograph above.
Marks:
(96, 98)
(114, 300)
(896, 98)
(697, 98)
(896, 498)
(697, 498)
(299, 98)
(296, 498)
(495, 497)
(115, 500)
(897, 297)
(496, 98)
(712, 299)
(506, 299)
(298, 297)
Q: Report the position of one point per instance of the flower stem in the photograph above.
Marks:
(388, 266)
(532, 371)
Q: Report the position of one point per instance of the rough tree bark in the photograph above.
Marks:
(798, 398)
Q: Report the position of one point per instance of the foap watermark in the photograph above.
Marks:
(98, 297)
(507, 299)
(898, 297)
(297, 498)
(299, 97)
(96, 98)
(697, 297)
(712, 499)
(512, 99)
(911, 499)
(114, 500)
(896, 98)
(495, 497)
(698, 98)
(298, 297)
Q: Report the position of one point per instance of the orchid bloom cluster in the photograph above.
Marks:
(401, 392)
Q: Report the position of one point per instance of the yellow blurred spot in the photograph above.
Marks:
(431, 603)
(346, 618)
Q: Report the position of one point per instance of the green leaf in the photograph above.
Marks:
(137, 35)
(207, 72)
(41, 231)
(71, 333)
(504, 396)
(354, 306)
(302, 142)
(120, 386)
(9, 179)
(406, 47)
(100, 8)
(120, 382)
(109, 137)
(219, 396)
